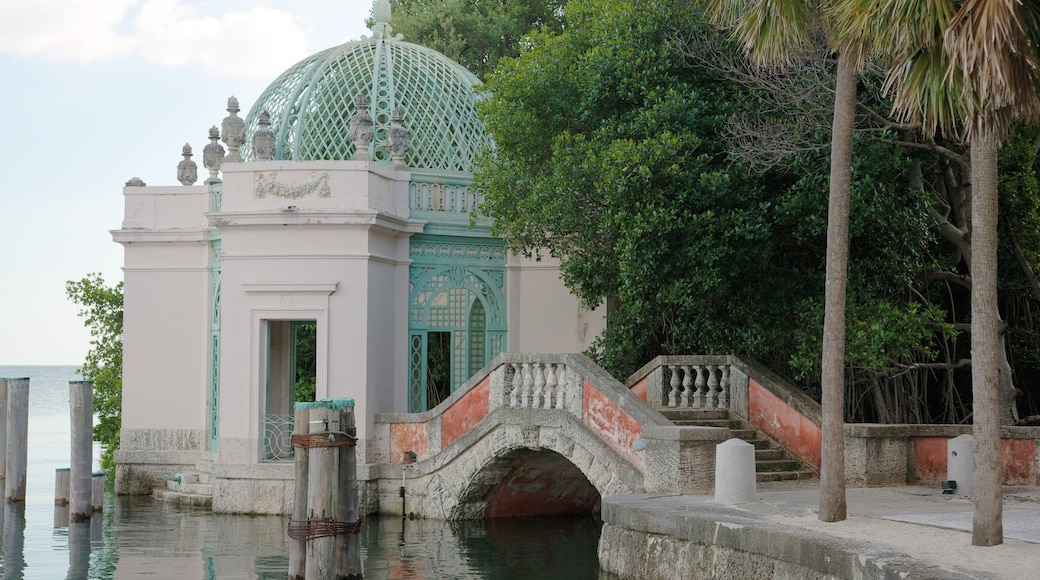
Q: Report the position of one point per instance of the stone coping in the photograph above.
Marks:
(706, 523)
(881, 431)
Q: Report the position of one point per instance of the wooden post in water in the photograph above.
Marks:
(3, 429)
(298, 548)
(97, 491)
(348, 544)
(321, 491)
(17, 438)
(61, 486)
(81, 408)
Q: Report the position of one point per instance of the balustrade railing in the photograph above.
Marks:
(697, 386)
(536, 385)
(278, 437)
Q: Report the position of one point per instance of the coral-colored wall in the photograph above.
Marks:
(930, 459)
(408, 437)
(639, 389)
(465, 413)
(1018, 457)
(613, 425)
(776, 418)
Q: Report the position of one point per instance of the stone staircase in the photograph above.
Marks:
(193, 487)
(772, 462)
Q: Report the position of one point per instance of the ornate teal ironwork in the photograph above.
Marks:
(456, 286)
(214, 347)
(311, 104)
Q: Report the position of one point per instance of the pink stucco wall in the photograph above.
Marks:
(612, 424)
(1017, 455)
(408, 437)
(465, 413)
(773, 416)
(639, 389)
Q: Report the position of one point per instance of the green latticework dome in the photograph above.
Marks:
(311, 104)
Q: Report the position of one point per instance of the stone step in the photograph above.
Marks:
(799, 475)
(182, 498)
(767, 454)
(724, 423)
(774, 465)
(688, 414)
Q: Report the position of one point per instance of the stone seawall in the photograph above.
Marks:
(669, 538)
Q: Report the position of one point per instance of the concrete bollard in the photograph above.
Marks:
(81, 410)
(97, 491)
(61, 486)
(17, 438)
(735, 472)
(960, 463)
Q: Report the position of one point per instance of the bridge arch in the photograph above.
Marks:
(515, 465)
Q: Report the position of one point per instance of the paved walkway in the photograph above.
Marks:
(918, 521)
(916, 530)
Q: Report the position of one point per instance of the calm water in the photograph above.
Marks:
(137, 537)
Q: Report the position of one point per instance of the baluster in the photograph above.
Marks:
(724, 388)
(517, 384)
(550, 386)
(698, 396)
(561, 385)
(525, 394)
(673, 394)
(713, 387)
(539, 386)
(686, 382)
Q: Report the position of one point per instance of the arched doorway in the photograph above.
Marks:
(456, 314)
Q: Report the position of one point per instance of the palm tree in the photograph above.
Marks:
(774, 33)
(971, 65)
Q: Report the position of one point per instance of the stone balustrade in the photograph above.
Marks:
(536, 385)
(697, 386)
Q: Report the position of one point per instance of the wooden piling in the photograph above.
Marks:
(81, 409)
(97, 491)
(298, 548)
(321, 492)
(17, 438)
(348, 545)
(3, 429)
(61, 486)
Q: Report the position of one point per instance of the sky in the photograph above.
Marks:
(94, 93)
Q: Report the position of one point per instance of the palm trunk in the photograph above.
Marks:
(987, 528)
(832, 460)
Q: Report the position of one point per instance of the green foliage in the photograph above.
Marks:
(608, 157)
(101, 308)
(305, 339)
(475, 33)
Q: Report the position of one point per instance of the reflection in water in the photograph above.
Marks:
(14, 539)
(138, 537)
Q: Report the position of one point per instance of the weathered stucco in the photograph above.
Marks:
(777, 419)
(465, 413)
(616, 427)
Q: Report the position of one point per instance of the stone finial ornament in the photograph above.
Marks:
(398, 137)
(233, 129)
(187, 170)
(381, 19)
(264, 139)
(213, 154)
(135, 182)
(362, 129)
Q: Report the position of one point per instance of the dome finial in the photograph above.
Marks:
(381, 18)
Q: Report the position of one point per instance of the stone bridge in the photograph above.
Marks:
(536, 434)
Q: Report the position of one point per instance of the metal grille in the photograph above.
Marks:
(311, 105)
(278, 430)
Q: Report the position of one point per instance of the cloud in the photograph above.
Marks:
(254, 43)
